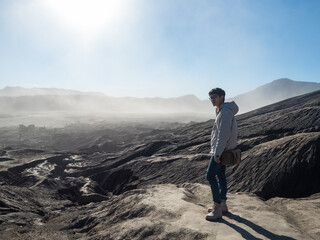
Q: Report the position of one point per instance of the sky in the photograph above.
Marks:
(164, 48)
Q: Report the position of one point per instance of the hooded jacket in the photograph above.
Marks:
(225, 130)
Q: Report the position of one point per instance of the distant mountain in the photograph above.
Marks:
(275, 91)
(17, 99)
(47, 100)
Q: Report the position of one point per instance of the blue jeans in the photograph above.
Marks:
(218, 188)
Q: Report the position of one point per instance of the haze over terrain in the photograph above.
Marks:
(140, 181)
(57, 107)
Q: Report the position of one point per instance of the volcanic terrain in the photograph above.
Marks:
(134, 181)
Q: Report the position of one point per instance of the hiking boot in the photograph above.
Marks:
(223, 205)
(216, 212)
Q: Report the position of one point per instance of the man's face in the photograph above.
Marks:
(216, 100)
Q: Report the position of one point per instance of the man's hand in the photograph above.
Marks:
(216, 159)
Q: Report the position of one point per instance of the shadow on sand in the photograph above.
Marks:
(248, 236)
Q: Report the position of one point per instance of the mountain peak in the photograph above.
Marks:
(272, 92)
(190, 97)
(283, 80)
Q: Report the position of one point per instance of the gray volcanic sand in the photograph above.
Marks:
(176, 212)
(138, 181)
(17, 157)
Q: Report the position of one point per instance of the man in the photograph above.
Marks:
(223, 137)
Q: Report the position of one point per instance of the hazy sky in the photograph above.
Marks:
(164, 48)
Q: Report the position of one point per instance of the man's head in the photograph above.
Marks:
(216, 96)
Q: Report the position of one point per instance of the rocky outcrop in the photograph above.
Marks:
(286, 167)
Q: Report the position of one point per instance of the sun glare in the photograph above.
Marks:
(88, 17)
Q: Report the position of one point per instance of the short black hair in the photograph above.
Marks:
(217, 91)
